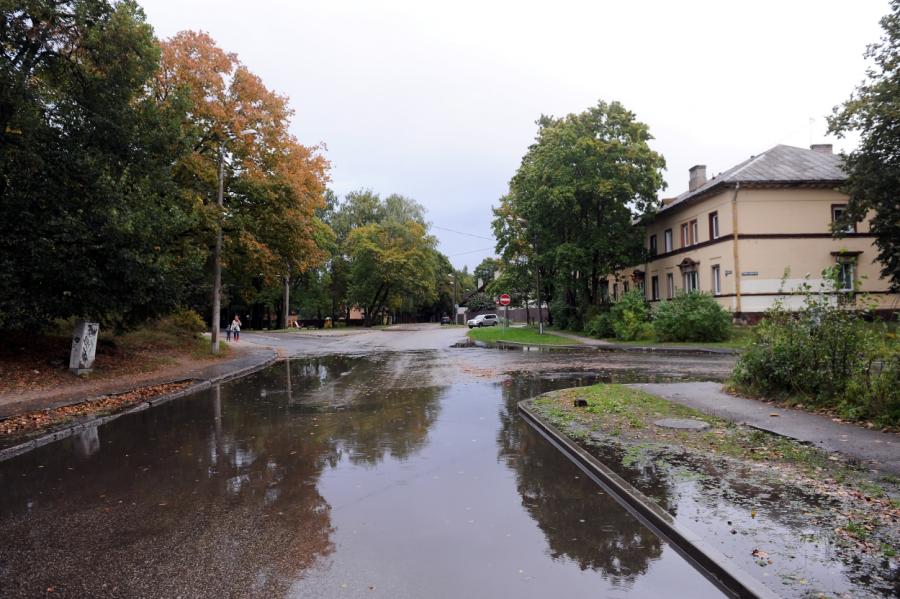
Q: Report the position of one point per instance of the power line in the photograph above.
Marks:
(471, 252)
(462, 233)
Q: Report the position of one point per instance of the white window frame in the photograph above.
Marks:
(669, 241)
(654, 287)
(714, 225)
(716, 280)
(691, 281)
(695, 232)
(847, 267)
(670, 285)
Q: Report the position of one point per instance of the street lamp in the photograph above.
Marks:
(217, 254)
(455, 307)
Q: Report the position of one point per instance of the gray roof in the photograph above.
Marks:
(778, 165)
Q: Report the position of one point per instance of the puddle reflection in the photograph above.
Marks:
(223, 494)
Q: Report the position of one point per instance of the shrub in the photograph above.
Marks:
(183, 321)
(600, 326)
(827, 357)
(564, 315)
(630, 315)
(693, 316)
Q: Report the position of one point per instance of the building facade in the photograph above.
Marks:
(759, 232)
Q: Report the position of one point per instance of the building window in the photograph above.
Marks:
(691, 281)
(838, 212)
(714, 225)
(615, 292)
(668, 240)
(625, 286)
(653, 245)
(689, 233)
(847, 276)
(654, 288)
(716, 280)
(670, 285)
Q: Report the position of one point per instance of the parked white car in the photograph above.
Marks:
(483, 320)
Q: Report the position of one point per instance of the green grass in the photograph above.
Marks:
(525, 335)
(630, 413)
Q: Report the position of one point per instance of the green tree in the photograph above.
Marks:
(480, 302)
(487, 269)
(389, 262)
(94, 225)
(573, 201)
(873, 169)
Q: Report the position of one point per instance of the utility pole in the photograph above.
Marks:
(287, 299)
(217, 256)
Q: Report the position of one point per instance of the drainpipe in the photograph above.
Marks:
(737, 262)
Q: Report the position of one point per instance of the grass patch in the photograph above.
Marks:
(629, 413)
(525, 335)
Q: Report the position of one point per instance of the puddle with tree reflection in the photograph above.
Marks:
(341, 476)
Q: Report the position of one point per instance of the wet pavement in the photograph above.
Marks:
(874, 449)
(395, 470)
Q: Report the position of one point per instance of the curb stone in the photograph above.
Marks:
(25, 447)
(712, 564)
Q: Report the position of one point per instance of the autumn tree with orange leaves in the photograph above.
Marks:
(273, 184)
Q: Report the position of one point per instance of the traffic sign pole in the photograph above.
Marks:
(504, 301)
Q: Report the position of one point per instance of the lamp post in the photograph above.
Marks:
(217, 254)
(455, 308)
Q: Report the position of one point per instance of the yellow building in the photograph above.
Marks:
(737, 234)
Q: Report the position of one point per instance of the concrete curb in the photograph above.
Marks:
(200, 385)
(681, 349)
(717, 568)
(613, 347)
(543, 346)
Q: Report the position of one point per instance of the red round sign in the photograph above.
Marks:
(504, 299)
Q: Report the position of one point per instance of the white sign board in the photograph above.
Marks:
(84, 346)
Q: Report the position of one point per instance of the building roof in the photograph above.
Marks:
(779, 165)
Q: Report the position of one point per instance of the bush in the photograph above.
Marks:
(564, 316)
(600, 326)
(630, 315)
(827, 357)
(183, 321)
(693, 316)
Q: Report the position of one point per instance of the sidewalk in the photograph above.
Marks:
(877, 450)
(604, 345)
(249, 357)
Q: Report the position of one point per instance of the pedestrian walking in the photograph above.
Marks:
(236, 328)
(228, 332)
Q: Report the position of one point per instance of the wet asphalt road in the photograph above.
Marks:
(396, 467)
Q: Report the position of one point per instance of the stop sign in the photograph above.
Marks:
(504, 299)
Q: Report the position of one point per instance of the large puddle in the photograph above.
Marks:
(334, 477)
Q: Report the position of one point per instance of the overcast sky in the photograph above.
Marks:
(437, 101)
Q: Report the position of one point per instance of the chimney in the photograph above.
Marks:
(698, 177)
(822, 149)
